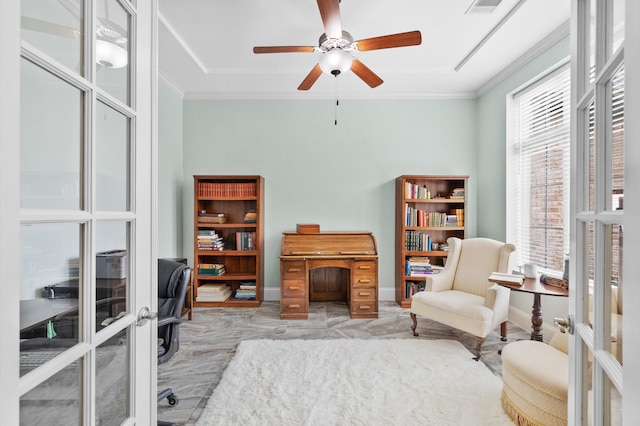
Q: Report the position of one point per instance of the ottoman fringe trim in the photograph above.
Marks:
(514, 414)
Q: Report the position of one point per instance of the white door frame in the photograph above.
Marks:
(143, 270)
(9, 208)
(626, 378)
(631, 331)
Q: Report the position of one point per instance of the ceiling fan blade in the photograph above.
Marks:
(368, 76)
(330, 14)
(282, 49)
(39, 25)
(311, 78)
(411, 38)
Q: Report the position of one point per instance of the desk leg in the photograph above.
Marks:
(536, 319)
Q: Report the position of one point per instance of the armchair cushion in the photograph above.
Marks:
(464, 311)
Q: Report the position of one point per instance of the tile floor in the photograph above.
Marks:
(208, 343)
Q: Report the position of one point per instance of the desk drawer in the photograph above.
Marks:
(293, 288)
(365, 266)
(364, 281)
(292, 270)
(365, 295)
(364, 309)
(293, 305)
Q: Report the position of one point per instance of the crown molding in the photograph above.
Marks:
(545, 44)
(169, 83)
(323, 96)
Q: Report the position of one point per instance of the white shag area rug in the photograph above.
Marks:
(355, 382)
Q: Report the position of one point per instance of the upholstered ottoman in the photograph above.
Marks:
(535, 381)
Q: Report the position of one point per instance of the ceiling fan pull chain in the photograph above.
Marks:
(335, 123)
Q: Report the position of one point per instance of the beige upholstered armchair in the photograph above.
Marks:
(461, 296)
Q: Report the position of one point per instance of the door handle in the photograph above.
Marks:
(565, 324)
(145, 315)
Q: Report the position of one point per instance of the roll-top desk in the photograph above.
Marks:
(302, 253)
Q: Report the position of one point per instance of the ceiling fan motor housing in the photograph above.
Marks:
(336, 58)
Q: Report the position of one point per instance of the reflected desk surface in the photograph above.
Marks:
(35, 312)
(537, 288)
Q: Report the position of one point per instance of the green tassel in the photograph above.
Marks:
(51, 333)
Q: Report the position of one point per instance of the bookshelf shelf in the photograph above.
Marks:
(232, 200)
(429, 209)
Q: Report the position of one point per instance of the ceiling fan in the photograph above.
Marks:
(337, 46)
(110, 45)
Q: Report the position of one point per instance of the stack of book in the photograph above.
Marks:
(205, 217)
(208, 239)
(250, 217)
(213, 293)
(214, 269)
(418, 267)
(457, 193)
(246, 291)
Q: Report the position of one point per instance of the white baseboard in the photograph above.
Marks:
(523, 319)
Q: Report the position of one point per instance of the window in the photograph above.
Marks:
(538, 171)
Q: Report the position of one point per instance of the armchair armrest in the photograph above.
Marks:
(162, 321)
(438, 282)
(497, 299)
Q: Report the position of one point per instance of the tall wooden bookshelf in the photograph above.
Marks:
(228, 226)
(429, 209)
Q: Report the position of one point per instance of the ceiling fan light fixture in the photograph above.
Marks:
(110, 55)
(335, 62)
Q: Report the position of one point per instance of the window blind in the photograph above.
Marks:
(538, 172)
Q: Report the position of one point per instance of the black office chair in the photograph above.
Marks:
(173, 281)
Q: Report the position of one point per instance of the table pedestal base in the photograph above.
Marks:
(536, 319)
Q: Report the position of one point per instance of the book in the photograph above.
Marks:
(248, 285)
(245, 241)
(245, 294)
(509, 279)
(212, 288)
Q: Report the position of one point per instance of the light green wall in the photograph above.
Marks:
(170, 173)
(492, 128)
(341, 177)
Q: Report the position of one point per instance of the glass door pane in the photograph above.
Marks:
(616, 94)
(113, 49)
(112, 380)
(51, 152)
(56, 401)
(112, 159)
(112, 265)
(50, 289)
(56, 29)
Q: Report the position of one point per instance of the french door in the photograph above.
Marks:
(602, 153)
(78, 239)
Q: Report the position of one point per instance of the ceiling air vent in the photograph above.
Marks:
(482, 6)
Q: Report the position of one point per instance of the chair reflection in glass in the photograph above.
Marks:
(173, 281)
